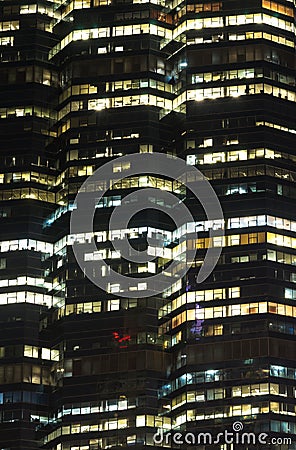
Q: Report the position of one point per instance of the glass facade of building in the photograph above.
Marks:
(83, 82)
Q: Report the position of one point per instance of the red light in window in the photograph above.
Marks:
(121, 338)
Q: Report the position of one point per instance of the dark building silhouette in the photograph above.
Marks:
(83, 82)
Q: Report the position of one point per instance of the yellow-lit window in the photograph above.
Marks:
(75, 428)
(120, 167)
(209, 313)
(30, 351)
(272, 308)
(36, 374)
(218, 330)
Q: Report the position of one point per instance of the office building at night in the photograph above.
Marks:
(82, 83)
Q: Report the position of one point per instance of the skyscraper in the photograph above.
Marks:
(82, 83)
(28, 85)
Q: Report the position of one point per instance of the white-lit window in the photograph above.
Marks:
(45, 353)
(113, 305)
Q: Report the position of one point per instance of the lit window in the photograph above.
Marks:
(113, 305)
